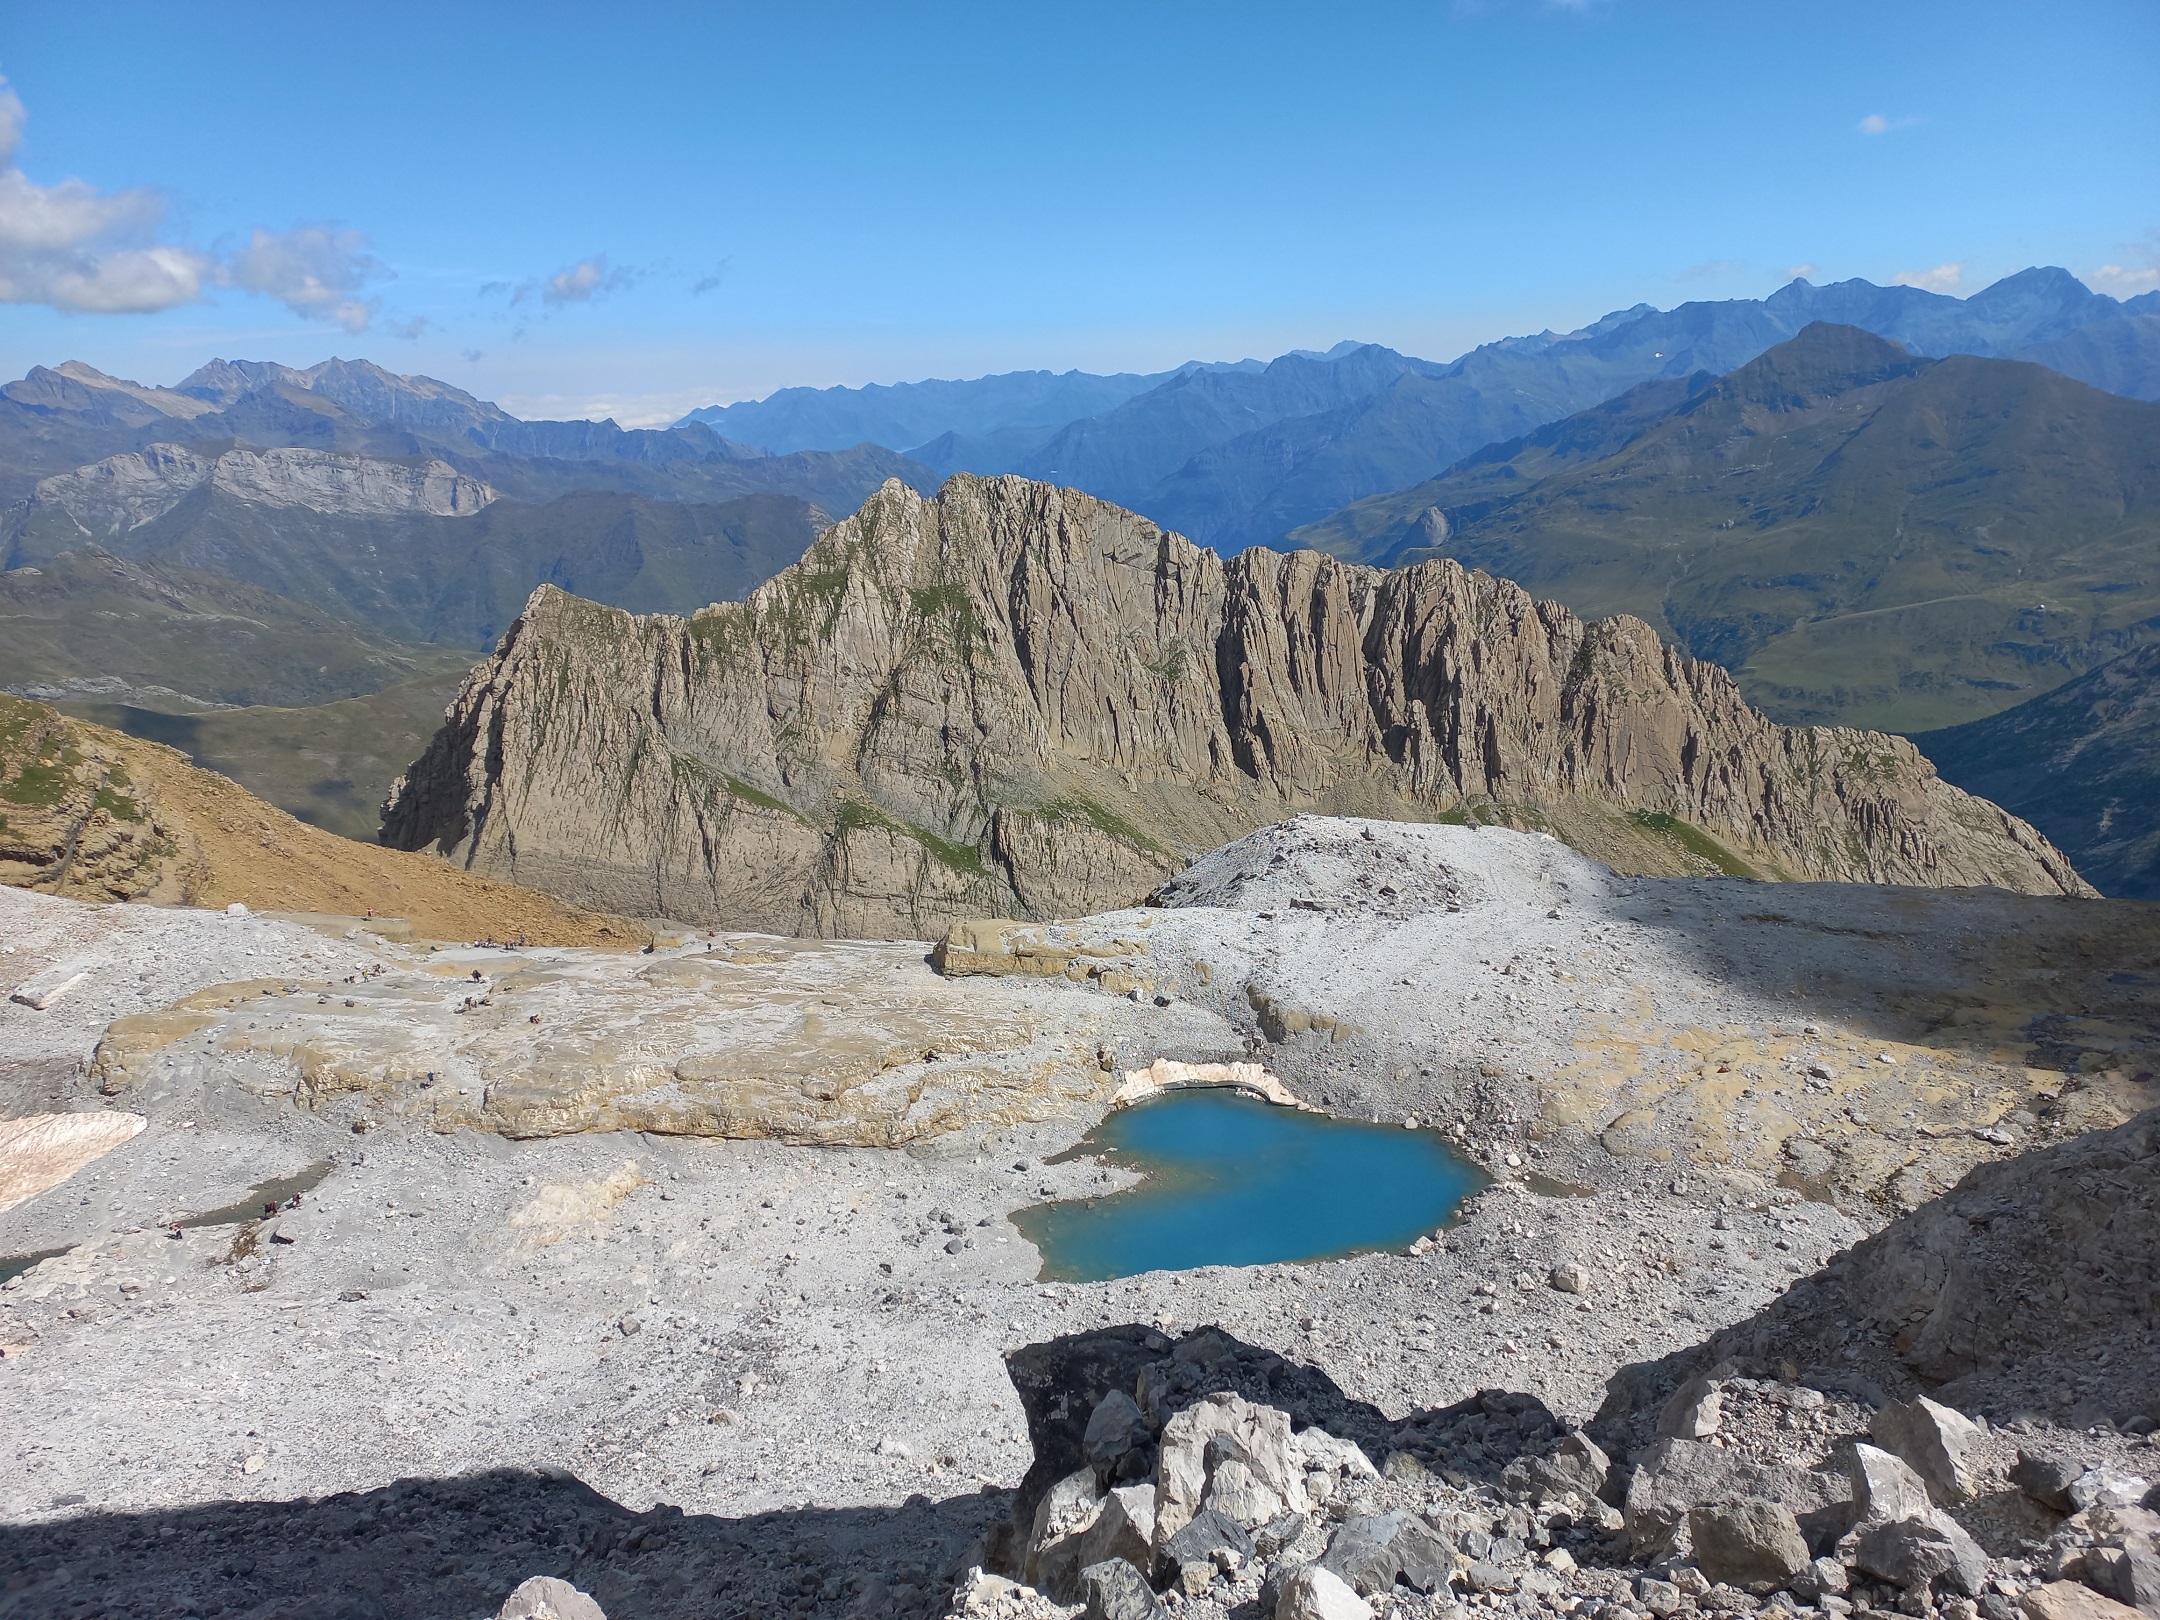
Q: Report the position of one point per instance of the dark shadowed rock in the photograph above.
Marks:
(1754, 1545)
(1114, 1590)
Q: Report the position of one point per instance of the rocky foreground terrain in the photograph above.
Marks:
(1017, 700)
(701, 1293)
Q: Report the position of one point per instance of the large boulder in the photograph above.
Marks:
(1125, 1528)
(2067, 1600)
(1214, 1431)
(1373, 1551)
(1578, 1466)
(547, 1597)
(1062, 1519)
(1751, 1544)
(1885, 1489)
(1208, 1543)
(1117, 1443)
(1313, 1592)
(1673, 1476)
(1935, 1442)
(1114, 1590)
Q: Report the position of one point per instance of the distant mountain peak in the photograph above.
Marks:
(360, 385)
(1823, 358)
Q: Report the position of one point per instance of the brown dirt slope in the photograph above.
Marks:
(96, 815)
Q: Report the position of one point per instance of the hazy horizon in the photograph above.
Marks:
(578, 220)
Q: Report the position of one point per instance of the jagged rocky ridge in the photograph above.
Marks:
(1018, 700)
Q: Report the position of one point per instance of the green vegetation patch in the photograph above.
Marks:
(764, 801)
(43, 779)
(1694, 840)
(116, 804)
(1078, 807)
(856, 814)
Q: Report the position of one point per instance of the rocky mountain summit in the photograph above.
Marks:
(1017, 700)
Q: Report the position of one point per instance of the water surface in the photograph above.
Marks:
(1233, 1181)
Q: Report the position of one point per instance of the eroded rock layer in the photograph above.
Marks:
(1015, 699)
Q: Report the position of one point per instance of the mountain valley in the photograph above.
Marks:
(2081, 762)
(87, 624)
(1861, 535)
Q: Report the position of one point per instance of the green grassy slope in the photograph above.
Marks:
(461, 580)
(173, 637)
(2081, 763)
(329, 764)
(1864, 537)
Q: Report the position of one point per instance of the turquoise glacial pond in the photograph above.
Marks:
(1233, 1181)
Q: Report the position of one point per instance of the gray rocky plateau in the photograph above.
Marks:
(1017, 700)
(1726, 1258)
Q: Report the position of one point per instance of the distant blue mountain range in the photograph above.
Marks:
(1238, 454)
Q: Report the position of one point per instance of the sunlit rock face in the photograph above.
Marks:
(1016, 700)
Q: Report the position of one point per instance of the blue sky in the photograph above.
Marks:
(633, 209)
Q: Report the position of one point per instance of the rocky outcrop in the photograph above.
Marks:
(847, 1043)
(91, 814)
(2052, 1258)
(111, 497)
(1239, 1480)
(1017, 700)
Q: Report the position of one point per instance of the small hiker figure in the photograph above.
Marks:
(269, 1209)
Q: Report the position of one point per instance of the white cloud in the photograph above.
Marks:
(2139, 273)
(1801, 272)
(316, 271)
(76, 248)
(73, 247)
(581, 283)
(2124, 280)
(1883, 124)
(1940, 279)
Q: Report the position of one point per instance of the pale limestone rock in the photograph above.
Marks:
(111, 497)
(38, 1151)
(1314, 1593)
(814, 1043)
(1694, 1412)
(1066, 1511)
(1234, 1491)
(1319, 1451)
(1885, 1489)
(545, 1597)
(1935, 1442)
(1170, 1074)
(1125, 1528)
(2072, 1600)
(1260, 1433)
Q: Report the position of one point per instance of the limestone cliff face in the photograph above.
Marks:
(1018, 700)
(111, 497)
